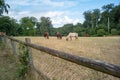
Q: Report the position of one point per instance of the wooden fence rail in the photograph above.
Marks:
(98, 65)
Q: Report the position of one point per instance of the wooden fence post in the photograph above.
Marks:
(13, 46)
(5, 39)
(43, 77)
(27, 40)
(0, 38)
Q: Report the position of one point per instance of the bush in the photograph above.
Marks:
(101, 32)
(114, 32)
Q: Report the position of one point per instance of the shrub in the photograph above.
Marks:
(114, 32)
(101, 32)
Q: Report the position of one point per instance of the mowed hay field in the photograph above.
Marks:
(106, 49)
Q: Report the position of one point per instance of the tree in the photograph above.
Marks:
(14, 26)
(8, 25)
(3, 7)
(88, 19)
(118, 28)
(116, 17)
(78, 28)
(106, 16)
(67, 28)
(114, 32)
(95, 17)
(33, 20)
(27, 26)
(101, 32)
(45, 25)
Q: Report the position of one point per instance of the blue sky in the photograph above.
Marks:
(60, 11)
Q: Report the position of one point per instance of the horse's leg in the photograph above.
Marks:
(76, 37)
(70, 37)
(47, 37)
(60, 37)
(57, 36)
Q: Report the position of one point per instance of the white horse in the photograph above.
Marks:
(71, 35)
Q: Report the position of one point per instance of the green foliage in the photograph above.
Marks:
(92, 31)
(3, 7)
(78, 30)
(67, 28)
(102, 26)
(101, 32)
(118, 26)
(94, 20)
(45, 25)
(114, 32)
(27, 26)
(24, 66)
(88, 18)
(8, 25)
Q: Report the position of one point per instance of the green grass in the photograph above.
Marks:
(8, 65)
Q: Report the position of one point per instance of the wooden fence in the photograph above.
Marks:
(98, 65)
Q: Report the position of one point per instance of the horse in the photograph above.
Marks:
(59, 36)
(2, 33)
(71, 35)
(46, 35)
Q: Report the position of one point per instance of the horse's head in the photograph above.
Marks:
(66, 39)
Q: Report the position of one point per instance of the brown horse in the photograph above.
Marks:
(59, 36)
(2, 33)
(46, 35)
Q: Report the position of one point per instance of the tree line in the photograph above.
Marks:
(97, 23)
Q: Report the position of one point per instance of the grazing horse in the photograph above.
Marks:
(59, 36)
(71, 35)
(46, 35)
(2, 33)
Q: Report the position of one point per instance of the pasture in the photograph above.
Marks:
(101, 48)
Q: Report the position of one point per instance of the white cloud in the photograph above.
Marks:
(34, 2)
(18, 2)
(61, 20)
(67, 19)
(52, 3)
(56, 10)
(23, 13)
(85, 0)
(54, 13)
(58, 18)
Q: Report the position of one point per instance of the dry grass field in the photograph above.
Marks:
(101, 48)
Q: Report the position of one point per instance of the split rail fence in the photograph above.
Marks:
(97, 65)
